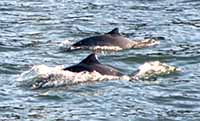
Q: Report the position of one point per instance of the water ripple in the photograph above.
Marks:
(31, 32)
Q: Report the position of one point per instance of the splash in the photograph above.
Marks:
(96, 48)
(42, 76)
(145, 43)
(153, 69)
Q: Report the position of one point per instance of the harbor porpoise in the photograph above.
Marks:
(91, 63)
(112, 40)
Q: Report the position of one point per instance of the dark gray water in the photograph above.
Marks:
(32, 30)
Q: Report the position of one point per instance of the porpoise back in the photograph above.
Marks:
(91, 64)
(112, 38)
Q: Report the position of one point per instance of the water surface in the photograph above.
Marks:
(31, 32)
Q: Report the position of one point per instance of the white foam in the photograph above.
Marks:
(65, 42)
(154, 68)
(145, 43)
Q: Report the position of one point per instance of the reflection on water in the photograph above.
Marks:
(31, 33)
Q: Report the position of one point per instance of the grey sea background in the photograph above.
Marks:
(31, 32)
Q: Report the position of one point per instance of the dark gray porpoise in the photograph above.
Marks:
(91, 64)
(112, 38)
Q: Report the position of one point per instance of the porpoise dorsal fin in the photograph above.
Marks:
(115, 31)
(90, 59)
